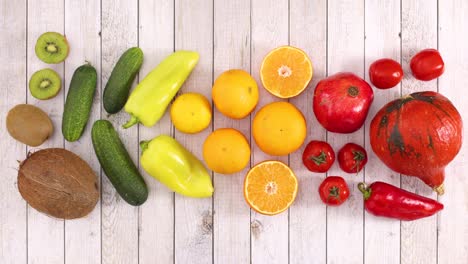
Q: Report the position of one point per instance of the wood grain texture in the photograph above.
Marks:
(232, 214)
(83, 236)
(194, 217)
(346, 53)
(419, 31)
(453, 220)
(269, 235)
(42, 229)
(382, 41)
(13, 212)
(119, 220)
(156, 39)
(307, 221)
(345, 35)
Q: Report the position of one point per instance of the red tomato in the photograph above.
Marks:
(333, 190)
(385, 73)
(341, 102)
(427, 65)
(318, 156)
(352, 158)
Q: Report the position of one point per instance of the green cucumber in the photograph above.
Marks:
(120, 81)
(79, 101)
(117, 163)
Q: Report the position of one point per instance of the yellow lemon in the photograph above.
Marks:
(191, 113)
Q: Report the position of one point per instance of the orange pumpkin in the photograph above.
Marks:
(418, 135)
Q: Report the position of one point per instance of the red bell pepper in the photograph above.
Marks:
(382, 199)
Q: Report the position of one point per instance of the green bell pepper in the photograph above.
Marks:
(174, 166)
(149, 101)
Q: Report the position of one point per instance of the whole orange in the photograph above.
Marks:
(279, 128)
(226, 151)
(235, 93)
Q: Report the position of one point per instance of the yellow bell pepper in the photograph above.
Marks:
(174, 166)
(149, 101)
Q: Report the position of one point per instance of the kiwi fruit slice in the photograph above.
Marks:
(45, 84)
(52, 47)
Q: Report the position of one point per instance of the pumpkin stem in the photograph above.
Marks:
(366, 191)
(440, 190)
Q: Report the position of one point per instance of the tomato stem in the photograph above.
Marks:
(334, 192)
(320, 159)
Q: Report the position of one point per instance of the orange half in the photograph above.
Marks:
(286, 71)
(270, 187)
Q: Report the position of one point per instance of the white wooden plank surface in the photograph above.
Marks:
(44, 230)
(232, 34)
(346, 53)
(418, 238)
(194, 217)
(231, 213)
(270, 29)
(82, 236)
(119, 231)
(307, 222)
(156, 39)
(382, 41)
(13, 212)
(453, 221)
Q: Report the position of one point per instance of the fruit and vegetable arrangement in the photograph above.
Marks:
(416, 135)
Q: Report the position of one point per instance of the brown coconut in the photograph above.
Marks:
(58, 183)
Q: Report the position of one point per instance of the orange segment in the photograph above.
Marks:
(270, 187)
(286, 71)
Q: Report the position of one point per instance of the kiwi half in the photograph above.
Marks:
(45, 84)
(52, 47)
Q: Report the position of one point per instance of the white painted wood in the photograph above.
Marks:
(232, 34)
(453, 220)
(382, 41)
(269, 234)
(232, 214)
(42, 229)
(194, 217)
(346, 53)
(156, 39)
(307, 222)
(419, 31)
(119, 220)
(13, 240)
(82, 26)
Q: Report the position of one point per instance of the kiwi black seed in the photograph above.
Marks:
(45, 84)
(52, 47)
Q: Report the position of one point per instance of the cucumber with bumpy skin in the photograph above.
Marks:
(117, 163)
(120, 81)
(79, 102)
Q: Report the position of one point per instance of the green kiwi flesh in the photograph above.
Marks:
(52, 47)
(45, 84)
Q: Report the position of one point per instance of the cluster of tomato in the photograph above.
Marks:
(318, 156)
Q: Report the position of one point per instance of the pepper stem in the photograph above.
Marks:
(144, 145)
(366, 191)
(133, 121)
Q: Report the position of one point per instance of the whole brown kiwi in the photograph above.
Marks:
(29, 124)
(58, 183)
